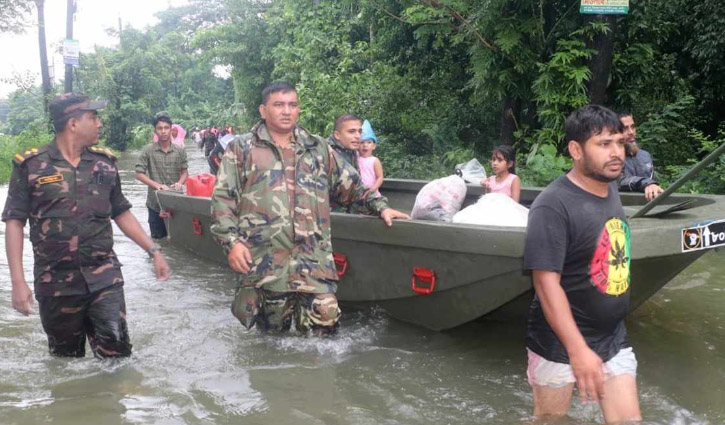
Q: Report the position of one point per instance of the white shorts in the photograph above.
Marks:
(543, 372)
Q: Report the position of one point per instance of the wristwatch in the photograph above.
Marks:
(154, 249)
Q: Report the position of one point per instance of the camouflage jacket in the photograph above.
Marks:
(70, 211)
(343, 152)
(351, 158)
(250, 205)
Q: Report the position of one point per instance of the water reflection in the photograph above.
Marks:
(194, 364)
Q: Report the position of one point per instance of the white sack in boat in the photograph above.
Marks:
(494, 209)
(440, 199)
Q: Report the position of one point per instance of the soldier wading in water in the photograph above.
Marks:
(71, 190)
(271, 213)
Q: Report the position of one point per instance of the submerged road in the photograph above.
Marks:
(193, 363)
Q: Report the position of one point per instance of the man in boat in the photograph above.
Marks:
(70, 191)
(578, 249)
(345, 140)
(271, 213)
(639, 172)
(161, 166)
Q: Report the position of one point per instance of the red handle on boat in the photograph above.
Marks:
(424, 275)
(340, 263)
(196, 225)
(166, 213)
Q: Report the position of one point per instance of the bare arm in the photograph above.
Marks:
(516, 189)
(143, 178)
(128, 224)
(182, 179)
(378, 168)
(379, 177)
(21, 295)
(586, 364)
(184, 176)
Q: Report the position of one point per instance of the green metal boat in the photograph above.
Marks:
(442, 275)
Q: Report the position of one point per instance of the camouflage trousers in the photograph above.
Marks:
(99, 316)
(312, 313)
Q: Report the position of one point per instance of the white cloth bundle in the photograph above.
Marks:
(440, 199)
(494, 209)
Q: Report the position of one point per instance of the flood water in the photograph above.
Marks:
(193, 363)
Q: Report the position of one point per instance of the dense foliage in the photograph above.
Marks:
(13, 15)
(441, 80)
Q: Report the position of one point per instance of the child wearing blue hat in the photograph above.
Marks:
(371, 169)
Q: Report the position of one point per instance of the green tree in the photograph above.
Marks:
(14, 15)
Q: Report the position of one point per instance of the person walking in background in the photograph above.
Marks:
(209, 141)
(178, 136)
(196, 135)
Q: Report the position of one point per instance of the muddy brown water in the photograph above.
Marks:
(194, 364)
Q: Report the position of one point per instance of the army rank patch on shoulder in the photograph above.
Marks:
(53, 178)
(21, 157)
(103, 151)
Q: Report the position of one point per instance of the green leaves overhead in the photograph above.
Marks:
(438, 79)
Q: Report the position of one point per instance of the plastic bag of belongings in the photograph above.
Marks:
(471, 171)
(494, 209)
(440, 199)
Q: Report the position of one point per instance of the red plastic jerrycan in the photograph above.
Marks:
(200, 185)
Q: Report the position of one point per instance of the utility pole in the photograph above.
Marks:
(71, 10)
(40, 5)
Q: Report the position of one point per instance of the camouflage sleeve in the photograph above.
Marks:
(17, 205)
(346, 186)
(142, 163)
(225, 222)
(119, 203)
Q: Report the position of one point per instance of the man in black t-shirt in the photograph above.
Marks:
(578, 249)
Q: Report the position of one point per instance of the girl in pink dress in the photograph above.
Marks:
(371, 169)
(503, 180)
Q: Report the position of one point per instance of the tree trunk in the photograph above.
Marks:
(371, 46)
(601, 64)
(507, 124)
(40, 5)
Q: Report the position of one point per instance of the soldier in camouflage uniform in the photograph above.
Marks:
(71, 190)
(345, 141)
(346, 138)
(271, 213)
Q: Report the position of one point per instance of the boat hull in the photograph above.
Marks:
(478, 269)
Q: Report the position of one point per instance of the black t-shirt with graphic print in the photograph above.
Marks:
(585, 239)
